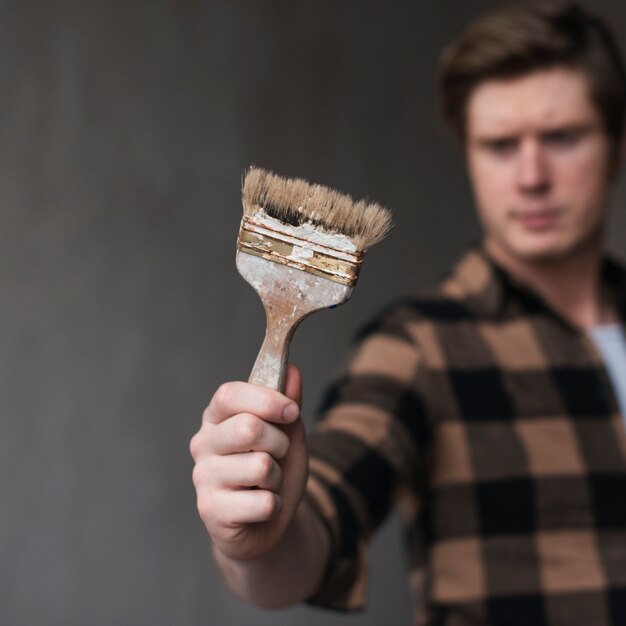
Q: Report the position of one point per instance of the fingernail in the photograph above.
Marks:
(291, 412)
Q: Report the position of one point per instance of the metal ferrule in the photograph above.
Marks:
(286, 248)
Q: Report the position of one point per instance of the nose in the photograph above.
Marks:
(533, 175)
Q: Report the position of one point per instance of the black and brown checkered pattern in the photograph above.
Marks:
(492, 423)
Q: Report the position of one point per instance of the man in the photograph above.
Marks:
(489, 411)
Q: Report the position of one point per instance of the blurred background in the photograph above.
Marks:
(124, 131)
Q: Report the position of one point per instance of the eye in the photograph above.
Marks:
(563, 138)
(502, 146)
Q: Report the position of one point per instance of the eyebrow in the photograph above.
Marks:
(575, 129)
(580, 129)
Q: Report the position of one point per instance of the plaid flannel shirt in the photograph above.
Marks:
(491, 422)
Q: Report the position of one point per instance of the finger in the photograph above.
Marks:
(246, 433)
(238, 397)
(247, 506)
(293, 384)
(237, 471)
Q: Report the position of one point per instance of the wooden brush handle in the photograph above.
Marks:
(288, 296)
(270, 366)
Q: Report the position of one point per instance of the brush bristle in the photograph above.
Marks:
(295, 201)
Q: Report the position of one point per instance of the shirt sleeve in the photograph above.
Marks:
(363, 453)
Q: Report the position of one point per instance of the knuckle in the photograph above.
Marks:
(197, 475)
(264, 464)
(205, 508)
(250, 429)
(206, 473)
(224, 395)
(200, 444)
(194, 446)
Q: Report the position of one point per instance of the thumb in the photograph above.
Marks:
(293, 384)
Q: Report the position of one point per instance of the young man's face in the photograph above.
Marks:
(540, 165)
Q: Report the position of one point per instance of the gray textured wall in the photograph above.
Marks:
(124, 130)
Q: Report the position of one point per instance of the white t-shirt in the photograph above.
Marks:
(611, 342)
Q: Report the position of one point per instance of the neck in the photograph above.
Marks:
(570, 284)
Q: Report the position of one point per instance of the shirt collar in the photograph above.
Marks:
(490, 291)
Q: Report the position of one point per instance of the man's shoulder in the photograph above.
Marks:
(453, 299)
(404, 315)
(428, 306)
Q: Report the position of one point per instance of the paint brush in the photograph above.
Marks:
(300, 246)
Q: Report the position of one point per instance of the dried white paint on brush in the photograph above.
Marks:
(288, 296)
(295, 202)
(307, 233)
(263, 236)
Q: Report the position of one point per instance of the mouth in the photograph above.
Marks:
(536, 219)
